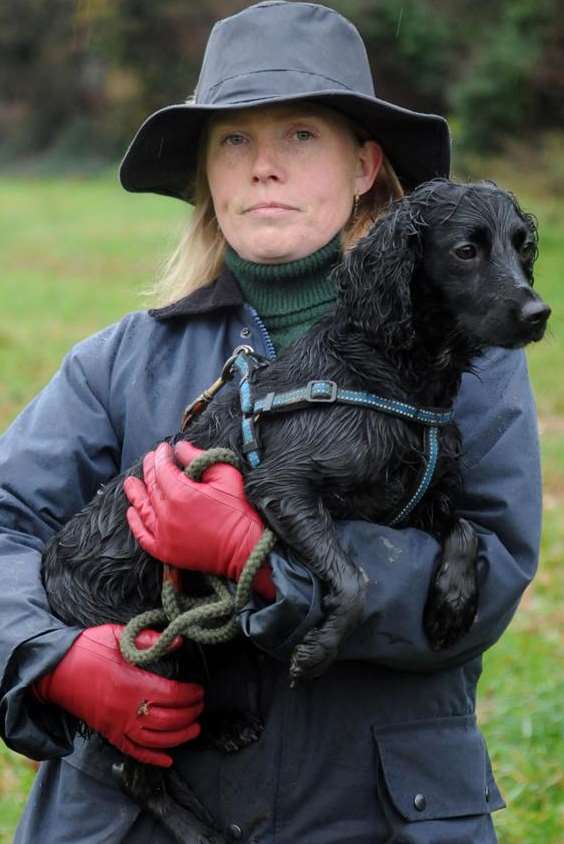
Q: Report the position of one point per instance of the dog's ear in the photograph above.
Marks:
(374, 280)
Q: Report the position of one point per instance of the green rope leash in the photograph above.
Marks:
(210, 619)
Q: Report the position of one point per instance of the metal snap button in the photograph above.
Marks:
(245, 332)
(419, 802)
(235, 831)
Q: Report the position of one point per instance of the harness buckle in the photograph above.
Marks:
(321, 392)
(229, 366)
(250, 445)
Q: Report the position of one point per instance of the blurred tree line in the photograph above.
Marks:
(78, 76)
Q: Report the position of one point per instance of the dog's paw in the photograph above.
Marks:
(313, 656)
(230, 731)
(451, 606)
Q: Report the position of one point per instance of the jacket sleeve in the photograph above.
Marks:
(52, 460)
(502, 499)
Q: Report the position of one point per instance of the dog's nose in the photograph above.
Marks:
(535, 313)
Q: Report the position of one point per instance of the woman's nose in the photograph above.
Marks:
(267, 164)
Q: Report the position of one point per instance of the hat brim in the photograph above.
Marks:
(162, 156)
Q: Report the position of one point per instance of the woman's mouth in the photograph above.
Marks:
(270, 209)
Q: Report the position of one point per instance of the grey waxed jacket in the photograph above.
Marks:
(384, 747)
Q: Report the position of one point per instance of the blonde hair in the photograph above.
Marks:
(198, 258)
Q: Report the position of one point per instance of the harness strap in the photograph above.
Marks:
(246, 364)
(431, 451)
(327, 392)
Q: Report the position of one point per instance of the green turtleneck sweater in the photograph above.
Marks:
(288, 297)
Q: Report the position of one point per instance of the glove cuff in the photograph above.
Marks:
(263, 583)
(39, 689)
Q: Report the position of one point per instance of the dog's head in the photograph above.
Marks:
(467, 248)
(477, 254)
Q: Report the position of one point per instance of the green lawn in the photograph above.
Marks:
(75, 255)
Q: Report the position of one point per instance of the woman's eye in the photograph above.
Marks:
(233, 139)
(303, 134)
(466, 252)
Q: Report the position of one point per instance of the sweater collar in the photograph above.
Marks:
(290, 290)
(225, 292)
(318, 263)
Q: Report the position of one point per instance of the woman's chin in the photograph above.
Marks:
(275, 250)
(278, 246)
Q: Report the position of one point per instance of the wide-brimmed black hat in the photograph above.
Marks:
(276, 52)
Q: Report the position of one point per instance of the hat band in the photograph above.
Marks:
(270, 85)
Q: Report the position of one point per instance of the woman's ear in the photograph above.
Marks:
(369, 162)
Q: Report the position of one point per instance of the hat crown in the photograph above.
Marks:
(281, 49)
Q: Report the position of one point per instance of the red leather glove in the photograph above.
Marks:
(206, 525)
(137, 711)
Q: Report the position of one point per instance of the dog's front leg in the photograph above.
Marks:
(453, 595)
(164, 794)
(304, 524)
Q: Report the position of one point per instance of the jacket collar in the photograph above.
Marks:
(224, 292)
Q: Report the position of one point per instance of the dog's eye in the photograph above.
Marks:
(527, 251)
(466, 252)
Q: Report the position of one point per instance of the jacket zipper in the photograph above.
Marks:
(269, 345)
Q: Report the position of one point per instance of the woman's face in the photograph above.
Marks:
(283, 178)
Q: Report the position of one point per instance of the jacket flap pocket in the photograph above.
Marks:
(437, 769)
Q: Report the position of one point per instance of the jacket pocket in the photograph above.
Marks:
(437, 769)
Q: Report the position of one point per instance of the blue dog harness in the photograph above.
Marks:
(327, 392)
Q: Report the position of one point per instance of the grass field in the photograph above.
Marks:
(75, 255)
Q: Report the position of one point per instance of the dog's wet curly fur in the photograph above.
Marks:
(445, 273)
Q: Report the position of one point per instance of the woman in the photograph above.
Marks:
(287, 155)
